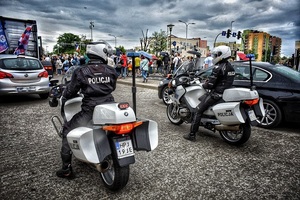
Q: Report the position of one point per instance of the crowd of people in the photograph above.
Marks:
(61, 63)
(161, 65)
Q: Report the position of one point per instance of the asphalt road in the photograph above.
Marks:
(266, 167)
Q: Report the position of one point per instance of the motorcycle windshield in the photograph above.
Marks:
(185, 68)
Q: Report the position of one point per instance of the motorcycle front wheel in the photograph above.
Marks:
(237, 137)
(116, 177)
(173, 115)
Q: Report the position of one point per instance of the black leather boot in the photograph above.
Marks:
(66, 170)
(190, 136)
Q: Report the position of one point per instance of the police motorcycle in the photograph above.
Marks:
(232, 115)
(109, 141)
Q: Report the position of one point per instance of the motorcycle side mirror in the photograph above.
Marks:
(183, 79)
(53, 82)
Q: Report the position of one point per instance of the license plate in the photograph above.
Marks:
(252, 115)
(25, 89)
(124, 148)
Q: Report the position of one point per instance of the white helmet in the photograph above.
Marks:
(220, 53)
(99, 50)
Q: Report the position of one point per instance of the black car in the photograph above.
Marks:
(278, 85)
(48, 67)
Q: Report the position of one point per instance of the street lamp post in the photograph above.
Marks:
(91, 27)
(115, 38)
(170, 26)
(231, 25)
(186, 31)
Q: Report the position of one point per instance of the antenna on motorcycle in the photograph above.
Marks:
(251, 56)
(133, 55)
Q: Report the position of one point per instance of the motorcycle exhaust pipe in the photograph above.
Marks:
(222, 127)
(103, 166)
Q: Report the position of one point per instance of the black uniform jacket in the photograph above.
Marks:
(221, 77)
(96, 81)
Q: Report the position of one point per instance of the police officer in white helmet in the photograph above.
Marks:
(220, 79)
(96, 81)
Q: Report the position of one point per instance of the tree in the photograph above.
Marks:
(159, 42)
(145, 41)
(66, 43)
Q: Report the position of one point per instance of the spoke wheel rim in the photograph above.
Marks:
(270, 115)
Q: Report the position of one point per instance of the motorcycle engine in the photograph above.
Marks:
(184, 112)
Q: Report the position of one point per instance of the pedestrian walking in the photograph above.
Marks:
(144, 68)
(166, 64)
(59, 66)
(137, 62)
(159, 65)
(208, 61)
(123, 61)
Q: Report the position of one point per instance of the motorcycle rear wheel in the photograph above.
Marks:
(237, 137)
(116, 177)
(172, 114)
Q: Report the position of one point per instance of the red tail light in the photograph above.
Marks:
(122, 128)
(43, 74)
(48, 67)
(251, 102)
(5, 75)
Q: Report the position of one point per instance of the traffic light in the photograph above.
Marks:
(239, 35)
(228, 33)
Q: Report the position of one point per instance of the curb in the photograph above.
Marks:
(152, 84)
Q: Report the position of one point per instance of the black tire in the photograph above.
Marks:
(44, 95)
(165, 95)
(273, 115)
(173, 115)
(116, 177)
(237, 137)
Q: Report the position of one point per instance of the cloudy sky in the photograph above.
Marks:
(129, 18)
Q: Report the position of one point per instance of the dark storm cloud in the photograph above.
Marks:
(129, 18)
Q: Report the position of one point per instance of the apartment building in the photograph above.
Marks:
(265, 46)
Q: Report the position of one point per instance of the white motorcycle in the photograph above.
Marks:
(232, 116)
(109, 141)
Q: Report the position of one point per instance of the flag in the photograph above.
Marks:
(23, 41)
(3, 41)
(77, 47)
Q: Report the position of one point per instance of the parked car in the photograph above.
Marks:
(48, 67)
(23, 75)
(278, 85)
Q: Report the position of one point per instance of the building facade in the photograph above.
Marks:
(266, 48)
(183, 45)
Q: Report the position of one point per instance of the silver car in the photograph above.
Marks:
(23, 75)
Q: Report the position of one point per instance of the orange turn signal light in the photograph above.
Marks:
(251, 102)
(122, 128)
